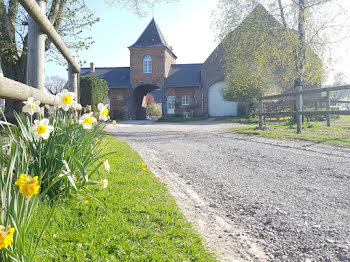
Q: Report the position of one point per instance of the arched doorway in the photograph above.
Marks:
(139, 93)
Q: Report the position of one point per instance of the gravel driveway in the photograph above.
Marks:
(252, 199)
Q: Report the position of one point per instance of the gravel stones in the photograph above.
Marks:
(291, 198)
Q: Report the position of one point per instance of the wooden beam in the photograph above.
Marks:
(10, 89)
(261, 112)
(36, 52)
(34, 11)
(323, 112)
(309, 91)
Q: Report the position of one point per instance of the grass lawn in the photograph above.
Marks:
(338, 134)
(141, 223)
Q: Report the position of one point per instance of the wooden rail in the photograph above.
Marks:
(38, 25)
(297, 96)
(40, 18)
(10, 89)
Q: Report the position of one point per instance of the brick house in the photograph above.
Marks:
(182, 89)
(179, 87)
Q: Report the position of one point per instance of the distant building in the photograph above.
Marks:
(181, 89)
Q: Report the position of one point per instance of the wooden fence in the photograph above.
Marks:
(38, 26)
(298, 111)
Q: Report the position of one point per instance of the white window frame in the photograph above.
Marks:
(147, 65)
(185, 100)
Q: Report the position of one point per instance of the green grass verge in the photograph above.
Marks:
(181, 119)
(316, 132)
(141, 223)
(243, 120)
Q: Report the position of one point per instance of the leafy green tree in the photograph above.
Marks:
(69, 18)
(269, 51)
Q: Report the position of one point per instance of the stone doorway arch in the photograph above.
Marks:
(138, 93)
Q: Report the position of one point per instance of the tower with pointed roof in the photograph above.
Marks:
(150, 57)
(181, 89)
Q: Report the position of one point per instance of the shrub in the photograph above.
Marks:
(153, 110)
(94, 90)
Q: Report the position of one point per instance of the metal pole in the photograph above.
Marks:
(36, 52)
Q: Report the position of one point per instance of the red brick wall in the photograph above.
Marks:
(169, 60)
(162, 59)
(136, 65)
(195, 103)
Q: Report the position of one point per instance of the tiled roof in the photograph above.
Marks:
(158, 95)
(184, 75)
(152, 36)
(116, 77)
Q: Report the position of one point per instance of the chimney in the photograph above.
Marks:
(92, 67)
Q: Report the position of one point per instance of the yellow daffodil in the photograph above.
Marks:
(104, 183)
(87, 120)
(144, 164)
(28, 186)
(42, 129)
(6, 237)
(31, 106)
(103, 111)
(65, 99)
(106, 165)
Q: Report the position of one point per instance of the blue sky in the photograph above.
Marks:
(185, 25)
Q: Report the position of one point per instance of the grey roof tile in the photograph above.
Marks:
(152, 36)
(184, 75)
(158, 95)
(116, 77)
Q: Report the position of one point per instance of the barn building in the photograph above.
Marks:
(182, 89)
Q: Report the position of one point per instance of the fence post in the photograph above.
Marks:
(299, 104)
(328, 108)
(2, 101)
(36, 52)
(261, 111)
(72, 81)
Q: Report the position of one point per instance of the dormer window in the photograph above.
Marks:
(147, 65)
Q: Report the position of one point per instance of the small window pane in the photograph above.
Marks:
(147, 65)
(185, 100)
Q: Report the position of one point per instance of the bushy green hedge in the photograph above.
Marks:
(93, 90)
(153, 110)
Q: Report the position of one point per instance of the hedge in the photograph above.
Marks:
(93, 90)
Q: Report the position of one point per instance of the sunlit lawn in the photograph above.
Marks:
(141, 221)
(337, 134)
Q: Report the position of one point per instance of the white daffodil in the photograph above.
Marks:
(42, 129)
(106, 165)
(103, 111)
(68, 174)
(104, 183)
(31, 106)
(65, 99)
(87, 120)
